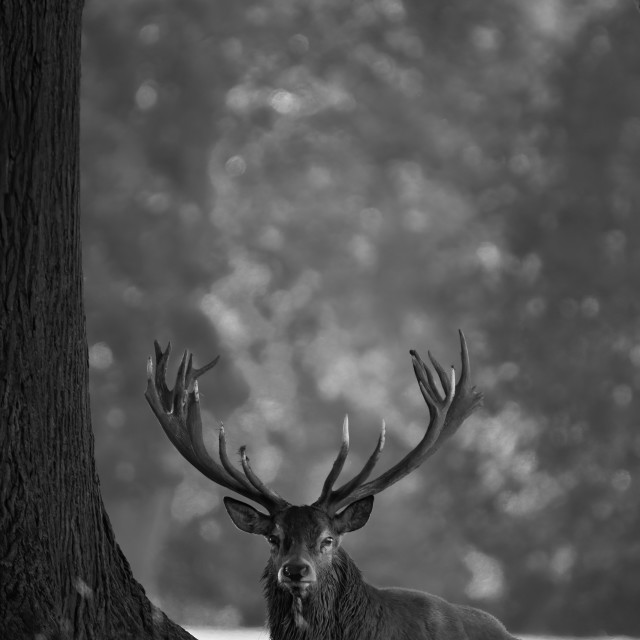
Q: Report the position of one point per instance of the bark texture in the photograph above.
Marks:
(62, 574)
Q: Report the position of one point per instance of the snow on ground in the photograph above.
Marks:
(261, 634)
(228, 634)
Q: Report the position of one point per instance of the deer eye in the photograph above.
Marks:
(327, 542)
(273, 540)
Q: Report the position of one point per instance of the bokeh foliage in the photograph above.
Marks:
(311, 189)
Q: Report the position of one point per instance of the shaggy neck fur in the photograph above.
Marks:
(339, 606)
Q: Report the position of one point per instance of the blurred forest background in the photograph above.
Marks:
(313, 188)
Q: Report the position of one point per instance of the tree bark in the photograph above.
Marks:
(62, 575)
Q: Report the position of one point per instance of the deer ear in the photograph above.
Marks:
(354, 516)
(246, 518)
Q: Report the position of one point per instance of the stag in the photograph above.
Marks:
(313, 589)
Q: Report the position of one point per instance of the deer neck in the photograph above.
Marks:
(339, 606)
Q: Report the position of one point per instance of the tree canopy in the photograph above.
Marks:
(311, 189)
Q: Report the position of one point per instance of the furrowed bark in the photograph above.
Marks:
(62, 575)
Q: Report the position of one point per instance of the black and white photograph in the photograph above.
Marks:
(319, 320)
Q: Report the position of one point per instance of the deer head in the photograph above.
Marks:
(305, 540)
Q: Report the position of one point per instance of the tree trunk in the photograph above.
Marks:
(62, 575)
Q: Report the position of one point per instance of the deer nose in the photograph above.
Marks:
(295, 571)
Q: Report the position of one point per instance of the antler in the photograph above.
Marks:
(447, 411)
(178, 411)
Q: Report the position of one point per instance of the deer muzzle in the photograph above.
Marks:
(297, 575)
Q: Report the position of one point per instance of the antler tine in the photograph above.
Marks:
(340, 494)
(178, 412)
(196, 373)
(338, 464)
(178, 394)
(446, 414)
(444, 379)
(250, 480)
(468, 402)
(257, 483)
(161, 369)
(226, 463)
(464, 358)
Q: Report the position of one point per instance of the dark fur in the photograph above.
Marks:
(342, 606)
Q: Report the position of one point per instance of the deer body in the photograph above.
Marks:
(314, 591)
(351, 609)
(337, 604)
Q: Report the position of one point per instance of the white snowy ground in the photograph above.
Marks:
(228, 634)
(261, 634)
